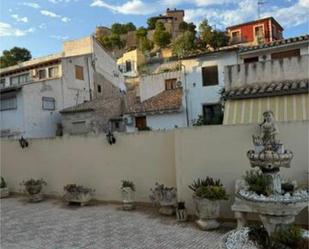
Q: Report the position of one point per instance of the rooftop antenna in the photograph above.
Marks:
(260, 3)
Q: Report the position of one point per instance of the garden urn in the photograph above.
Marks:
(128, 198)
(207, 211)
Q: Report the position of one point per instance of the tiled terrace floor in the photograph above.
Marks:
(52, 225)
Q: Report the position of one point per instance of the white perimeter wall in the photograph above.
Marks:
(174, 158)
(166, 121)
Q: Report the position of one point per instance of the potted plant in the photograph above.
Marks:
(128, 195)
(77, 194)
(4, 190)
(207, 195)
(181, 212)
(33, 187)
(165, 198)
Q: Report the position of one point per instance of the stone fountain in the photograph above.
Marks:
(269, 155)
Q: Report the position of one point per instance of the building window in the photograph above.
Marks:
(8, 102)
(48, 103)
(128, 66)
(42, 73)
(79, 72)
(235, 36)
(19, 79)
(251, 59)
(210, 76)
(2, 82)
(141, 123)
(259, 33)
(170, 84)
(53, 72)
(212, 114)
(99, 88)
(285, 54)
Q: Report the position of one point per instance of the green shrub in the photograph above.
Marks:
(208, 181)
(34, 186)
(258, 182)
(209, 188)
(289, 235)
(285, 237)
(127, 184)
(211, 193)
(3, 183)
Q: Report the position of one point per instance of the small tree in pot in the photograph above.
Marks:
(207, 195)
(4, 190)
(33, 187)
(77, 194)
(128, 195)
(164, 197)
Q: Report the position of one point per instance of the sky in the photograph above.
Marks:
(42, 25)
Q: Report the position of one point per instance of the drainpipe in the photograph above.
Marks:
(186, 93)
(88, 73)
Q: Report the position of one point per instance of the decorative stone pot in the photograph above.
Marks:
(4, 192)
(81, 198)
(167, 207)
(34, 192)
(181, 212)
(128, 198)
(207, 211)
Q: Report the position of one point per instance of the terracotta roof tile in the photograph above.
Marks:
(275, 43)
(267, 89)
(166, 101)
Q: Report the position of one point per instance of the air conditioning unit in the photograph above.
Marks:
(178, 84)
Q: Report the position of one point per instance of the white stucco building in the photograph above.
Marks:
(33, 92)
(201, 78)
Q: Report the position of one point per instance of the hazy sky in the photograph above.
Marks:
(42, 25)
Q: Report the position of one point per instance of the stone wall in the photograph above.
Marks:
(105, 106)
(174, 158)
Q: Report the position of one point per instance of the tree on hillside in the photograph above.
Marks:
(119, 29)
(183, 44)
(14, 56)
(129, 27)
(141, 32)
(184, 26)
(161, 37)
(144, 44)
(151, 23)
(213, 38)
(111, 42)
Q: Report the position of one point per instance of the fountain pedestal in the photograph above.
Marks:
(269, 156)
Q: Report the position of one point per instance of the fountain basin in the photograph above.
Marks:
(239, 239)
(273, 210)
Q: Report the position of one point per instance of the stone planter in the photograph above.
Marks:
(167, 207)
(34, 192)
(207, 211)
(81, 198)
(128, 198)
(4, 192)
